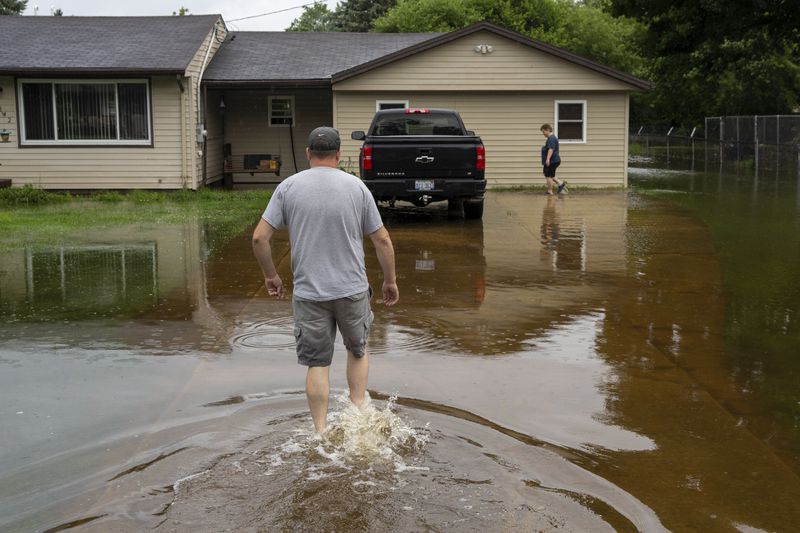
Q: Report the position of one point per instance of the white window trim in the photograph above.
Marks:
(379, 102)
(84, 142)
(269, 112)
(555, 124)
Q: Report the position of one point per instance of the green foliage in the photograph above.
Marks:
(717, 57)
(577, 27)
(359, 15)
(111, 197)
(57, 12)
(314, 18)
(29, 195)
(182, 12)
(349, 15)
(145, 197)
(12, 7)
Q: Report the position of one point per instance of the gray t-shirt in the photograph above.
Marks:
(327, 213)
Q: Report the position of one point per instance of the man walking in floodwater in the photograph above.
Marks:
(327, 213)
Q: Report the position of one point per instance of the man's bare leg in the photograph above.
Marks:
(357, 374)
(317, 391)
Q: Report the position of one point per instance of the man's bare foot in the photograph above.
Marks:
(357, 403)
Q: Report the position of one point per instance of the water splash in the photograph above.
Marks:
(367, 434)
(365, 444)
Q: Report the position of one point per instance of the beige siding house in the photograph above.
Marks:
(193, 104)
(505, 86)
(104, 102)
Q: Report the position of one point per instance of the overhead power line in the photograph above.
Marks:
(273, 12)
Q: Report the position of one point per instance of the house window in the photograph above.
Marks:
(281, 111)
(571, 121)
(85, 112)
(390, 104)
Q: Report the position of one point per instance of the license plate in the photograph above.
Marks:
(423, 185)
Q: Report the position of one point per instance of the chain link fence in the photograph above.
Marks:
(759, 144)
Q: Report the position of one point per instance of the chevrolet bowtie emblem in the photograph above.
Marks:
(424, 159)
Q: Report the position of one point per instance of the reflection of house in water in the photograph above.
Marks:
(491, 288)
(144, 270)
(101, 277)
(471, 287)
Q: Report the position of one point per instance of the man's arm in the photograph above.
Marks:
(385, 251)
(263, 252)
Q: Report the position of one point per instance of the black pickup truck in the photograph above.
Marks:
(423, 156)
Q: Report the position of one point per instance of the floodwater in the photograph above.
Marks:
(603, 361)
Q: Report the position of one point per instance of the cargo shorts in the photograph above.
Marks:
(315, 326)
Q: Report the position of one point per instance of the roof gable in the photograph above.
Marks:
(540, 46)
(94, 45)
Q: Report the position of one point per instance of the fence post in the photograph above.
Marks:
(721, 137)
(691, 136)
(755, 136)
(705, 144)
(777, 145)
(738, 142)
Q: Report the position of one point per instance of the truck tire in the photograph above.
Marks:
(473, 208)
(455, 207)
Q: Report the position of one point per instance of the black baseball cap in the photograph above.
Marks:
(324, 139)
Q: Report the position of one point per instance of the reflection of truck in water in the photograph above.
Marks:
(423, 156)
(439, 267)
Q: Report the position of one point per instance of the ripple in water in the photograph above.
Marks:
(274, 333)
(373, 470)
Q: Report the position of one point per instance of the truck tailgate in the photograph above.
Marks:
(416, 156)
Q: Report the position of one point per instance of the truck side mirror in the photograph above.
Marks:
(470, 132)
(358, 136)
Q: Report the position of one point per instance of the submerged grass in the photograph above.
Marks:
(44, 220)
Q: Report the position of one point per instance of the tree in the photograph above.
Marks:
(57, 12)
(718, 57)
(12, 7)
(182, 12)
(359, 15)
(314, 18)
(349, 15)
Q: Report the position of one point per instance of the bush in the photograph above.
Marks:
(30, 195)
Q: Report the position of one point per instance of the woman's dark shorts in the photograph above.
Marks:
(550, 171)
(315, 326)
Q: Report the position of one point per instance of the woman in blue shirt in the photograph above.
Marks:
(551, 159)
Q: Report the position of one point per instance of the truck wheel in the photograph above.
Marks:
(455, 207)
(473, 208)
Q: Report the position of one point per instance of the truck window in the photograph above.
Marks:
(417, 125)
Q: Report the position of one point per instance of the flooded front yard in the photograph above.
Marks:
(603, 361)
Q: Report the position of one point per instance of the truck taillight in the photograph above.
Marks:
(366, 158)
(480, 161)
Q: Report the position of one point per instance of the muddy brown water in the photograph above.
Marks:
(565, 364)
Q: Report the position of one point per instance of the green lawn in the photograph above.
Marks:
(32, 217)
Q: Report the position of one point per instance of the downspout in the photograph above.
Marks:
(200, 127)
(179, 80)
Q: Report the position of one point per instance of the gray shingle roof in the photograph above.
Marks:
(101, 44)
(283, 56)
